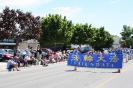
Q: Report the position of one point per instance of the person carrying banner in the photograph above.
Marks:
(118, 51)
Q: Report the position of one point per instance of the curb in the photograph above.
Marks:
(33, 66)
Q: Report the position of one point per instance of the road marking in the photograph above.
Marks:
(113, 77)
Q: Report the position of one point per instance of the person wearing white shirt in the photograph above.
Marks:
(27, 49)
(105, 51)
(28, 58)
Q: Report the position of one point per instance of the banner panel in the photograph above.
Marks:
(95, 60)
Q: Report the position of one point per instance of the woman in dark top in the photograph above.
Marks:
(39, 53)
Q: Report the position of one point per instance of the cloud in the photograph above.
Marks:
(129, 14)
(69, 12)
(75, 9)
(23, 3)
(41, 15)
(114, 1)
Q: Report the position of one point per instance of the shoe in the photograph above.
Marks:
(119, 71)
(75, 69)
(18, 70)
(9, 69)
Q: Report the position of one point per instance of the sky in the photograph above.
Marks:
(110, 14)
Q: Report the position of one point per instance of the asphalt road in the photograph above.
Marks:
(60, 75)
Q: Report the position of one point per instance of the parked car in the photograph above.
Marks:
(4, 55)
(85, 49)
(57, 48)
(20, 52)
(7, 50)
(47, 50)
(23, 52)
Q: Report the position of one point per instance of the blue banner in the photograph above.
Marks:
(95, 60)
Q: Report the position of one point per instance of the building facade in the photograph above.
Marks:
(116, 43)
(10, 44)
(31, 43)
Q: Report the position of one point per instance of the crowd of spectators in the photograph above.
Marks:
(35, 57)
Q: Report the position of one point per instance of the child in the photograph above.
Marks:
(45, 61)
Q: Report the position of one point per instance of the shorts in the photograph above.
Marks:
(11, 66)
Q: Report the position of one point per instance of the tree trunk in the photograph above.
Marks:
(54, 46)
(16, 46)
(64, 47)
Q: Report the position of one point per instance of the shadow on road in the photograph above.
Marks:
(89, 71)
(70, 70)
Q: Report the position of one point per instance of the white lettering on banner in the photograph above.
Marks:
(87, 64)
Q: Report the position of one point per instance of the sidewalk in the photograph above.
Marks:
(3, 66)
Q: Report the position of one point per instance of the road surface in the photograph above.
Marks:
(59, 75)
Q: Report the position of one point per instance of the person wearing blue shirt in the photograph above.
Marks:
(75, 51)
(118, 51)
(12, 64)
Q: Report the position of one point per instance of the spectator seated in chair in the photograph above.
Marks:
(27, 59)
(34, 59)
(45, 61)
(52, 58)
(11, 64)
(64, 56)
(16, 59)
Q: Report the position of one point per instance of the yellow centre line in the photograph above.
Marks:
(113, 77)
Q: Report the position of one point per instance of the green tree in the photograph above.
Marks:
(109, 41)
(126, 34)
(100, 37)
(55, 29)
(82, 34)
(66, 31)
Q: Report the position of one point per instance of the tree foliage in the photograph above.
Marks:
(17, 25)
(96, 37)
(55, 29)
(102, 38)
(127, 37)
(83, 34)
(59, 30)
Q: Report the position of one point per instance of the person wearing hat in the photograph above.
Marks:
(12, 64)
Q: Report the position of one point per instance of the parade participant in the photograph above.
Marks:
(76, 51)
(109, 51)
(118, 51)
(128, 54)
(105, 51)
